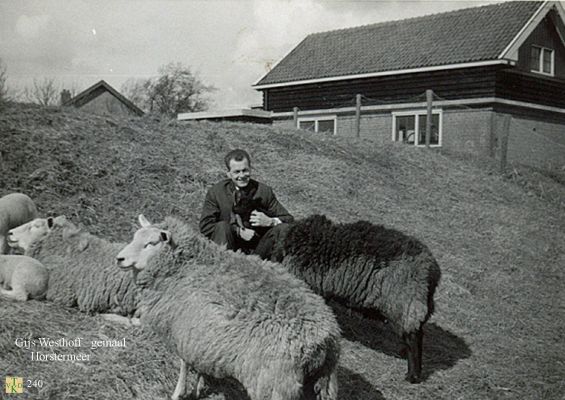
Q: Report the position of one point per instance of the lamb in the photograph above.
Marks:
(378, 271)
(82, 271)
(22, 278)
(15, 209)
(244, 205)
(231, 315)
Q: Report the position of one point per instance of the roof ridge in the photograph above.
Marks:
(426, 16)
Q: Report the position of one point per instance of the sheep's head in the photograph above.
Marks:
(26, 235)
(147, 242)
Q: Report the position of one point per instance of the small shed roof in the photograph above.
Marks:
(225, 114)
(96, 90)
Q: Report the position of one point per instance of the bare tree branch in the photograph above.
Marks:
(44, 92)
(176, 89)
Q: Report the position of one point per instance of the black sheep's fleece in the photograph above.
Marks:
(364, 265)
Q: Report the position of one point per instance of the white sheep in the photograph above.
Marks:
(22, 278)
(15, 209)
(81, 265)
(231, 315)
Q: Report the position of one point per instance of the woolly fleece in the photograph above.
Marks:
(15, 209)
(232, 315)
(83, 272)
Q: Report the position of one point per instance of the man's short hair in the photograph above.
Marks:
(236, 155)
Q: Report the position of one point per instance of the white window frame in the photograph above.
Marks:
(540, 66)
(316, 121)
(416, 114)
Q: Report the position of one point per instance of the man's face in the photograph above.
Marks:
(239, 172)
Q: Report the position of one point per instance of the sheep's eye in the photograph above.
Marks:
(150, 244)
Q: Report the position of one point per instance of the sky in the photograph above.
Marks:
(229, 44)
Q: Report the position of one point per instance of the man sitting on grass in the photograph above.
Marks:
(218, 221)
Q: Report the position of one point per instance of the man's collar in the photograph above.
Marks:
(251, 186)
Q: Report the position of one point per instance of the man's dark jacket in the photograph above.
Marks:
(220, 199)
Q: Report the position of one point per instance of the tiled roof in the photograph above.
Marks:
(461, 36)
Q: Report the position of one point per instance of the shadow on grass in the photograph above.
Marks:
(354, 386)
(441, 350)
(351, 386)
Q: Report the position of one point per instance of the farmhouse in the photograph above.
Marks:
(101, 98)
(471, 67)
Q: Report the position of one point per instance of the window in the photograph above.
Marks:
(325, 125)
(307, 125)
(542, 60)
(410, 127)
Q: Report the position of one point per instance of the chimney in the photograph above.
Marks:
(65, 96)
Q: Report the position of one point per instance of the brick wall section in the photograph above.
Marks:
(532, 142)
(467, 130)
(372, 125)
(536, 143)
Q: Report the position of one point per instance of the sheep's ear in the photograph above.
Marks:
(59, 221)
(143, 221)
(83, 243)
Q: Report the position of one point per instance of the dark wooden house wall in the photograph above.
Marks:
(505, 83)
(545, 35)
(462, 83)
(531, 88)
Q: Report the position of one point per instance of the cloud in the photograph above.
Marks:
(275, 28)
(229, 44)
(31, 27)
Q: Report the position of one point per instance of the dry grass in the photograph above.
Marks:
(498, 332)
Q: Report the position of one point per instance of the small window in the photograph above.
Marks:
(542, 60)
(405, 129)
(409, 127)
(325, 125)
(307, 125)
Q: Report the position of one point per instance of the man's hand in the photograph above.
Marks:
(246, 234)
(259, 219)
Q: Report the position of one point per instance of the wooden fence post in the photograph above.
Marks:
(492, 141)
(358, 115)
(505, 133)
(429, 100)
(295, 111)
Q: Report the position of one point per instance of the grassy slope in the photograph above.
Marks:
(499, 327)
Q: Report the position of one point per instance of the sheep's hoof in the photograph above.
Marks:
(413, 378)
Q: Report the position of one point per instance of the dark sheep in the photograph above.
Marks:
(370, 268)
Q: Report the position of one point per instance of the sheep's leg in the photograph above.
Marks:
(413, 341)
(199, 387)
(3, 245)
(181, 383)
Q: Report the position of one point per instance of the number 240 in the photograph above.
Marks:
(36, 383)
